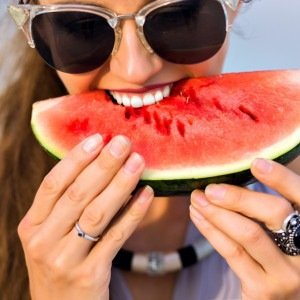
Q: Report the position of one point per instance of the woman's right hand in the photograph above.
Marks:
(92, 186)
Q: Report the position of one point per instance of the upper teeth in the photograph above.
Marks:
(139, 100)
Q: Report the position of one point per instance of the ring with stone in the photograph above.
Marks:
(81, 233)
(288, 237)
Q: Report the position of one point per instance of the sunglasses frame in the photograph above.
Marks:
(23, 14)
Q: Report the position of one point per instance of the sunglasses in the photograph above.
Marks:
(77, 38)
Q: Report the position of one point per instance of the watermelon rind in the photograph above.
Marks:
(185, 186)
(51, 148)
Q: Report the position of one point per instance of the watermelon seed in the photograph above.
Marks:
(147, 117)
(247, 112)
(167, 125)
(181, 128)
(127, 113)
(163, 125)
(157, 121)
(218, 105)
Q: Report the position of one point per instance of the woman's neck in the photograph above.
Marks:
(164, 227)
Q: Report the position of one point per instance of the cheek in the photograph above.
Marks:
(77, 83)
(212, 66)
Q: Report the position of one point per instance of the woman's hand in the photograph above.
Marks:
(91, 185)
(229, 217)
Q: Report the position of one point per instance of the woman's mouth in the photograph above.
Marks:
(139, 99)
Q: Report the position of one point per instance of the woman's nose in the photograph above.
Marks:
(133, 62)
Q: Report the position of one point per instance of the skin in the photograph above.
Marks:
(94, 182)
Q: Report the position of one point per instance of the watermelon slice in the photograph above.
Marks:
(208, 130)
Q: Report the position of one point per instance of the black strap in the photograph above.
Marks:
(187, 255)
(123, 260)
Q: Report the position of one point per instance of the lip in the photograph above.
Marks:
(143, 89)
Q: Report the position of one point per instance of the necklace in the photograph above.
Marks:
(159, 263)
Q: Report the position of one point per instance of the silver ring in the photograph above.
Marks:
(84, 235)
(288, 237)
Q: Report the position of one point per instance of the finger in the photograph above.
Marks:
(88, 185)
(99, 213)
(243, 231)
(278, 177)
(269, 209)
(121, 230)
(236, 256)
(61, 176)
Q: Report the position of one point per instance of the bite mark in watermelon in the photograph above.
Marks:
(208, 130)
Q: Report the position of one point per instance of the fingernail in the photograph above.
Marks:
(92, 143)
(200, 200)
(145, 195)
(263, 165)
(215, 191)
(133, 163)
(118, 146)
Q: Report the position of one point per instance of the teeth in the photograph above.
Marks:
(136, 101)
(139, 100)
(148, 99)
(158, 96)
(118, 98)
(125, 100)
(166, 91)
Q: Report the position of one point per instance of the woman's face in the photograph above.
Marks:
(133, 69)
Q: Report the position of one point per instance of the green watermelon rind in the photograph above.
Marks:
(186, 186)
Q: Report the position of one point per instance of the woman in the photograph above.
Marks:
(79, 212)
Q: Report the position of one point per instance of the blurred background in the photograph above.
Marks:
(266, 35)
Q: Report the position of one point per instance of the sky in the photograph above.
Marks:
(266, 35)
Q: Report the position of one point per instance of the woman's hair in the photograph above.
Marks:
(23, 163)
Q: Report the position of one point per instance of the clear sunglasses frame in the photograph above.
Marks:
(23, 14)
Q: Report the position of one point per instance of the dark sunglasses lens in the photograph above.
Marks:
(73, 42)
(187, 32)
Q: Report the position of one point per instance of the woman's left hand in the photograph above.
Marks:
(229, 216)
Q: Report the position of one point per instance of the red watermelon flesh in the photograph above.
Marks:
(207, 128)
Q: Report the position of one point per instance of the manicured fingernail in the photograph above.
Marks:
(133, 163)
(263, 165)
(215, 191)
(92, 143)
(118, 146)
